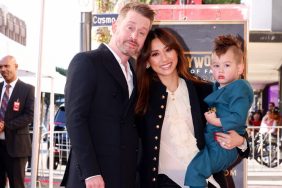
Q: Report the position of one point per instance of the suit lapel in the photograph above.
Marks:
(133, 94)
(132, 97)
(113, 67)
(134, 79)
(1, 87)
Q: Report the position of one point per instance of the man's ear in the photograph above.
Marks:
(114, 26)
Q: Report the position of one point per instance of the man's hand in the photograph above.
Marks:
(2, 126)
(95, 182)
(230, 140)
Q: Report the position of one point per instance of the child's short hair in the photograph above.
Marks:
(223, 43)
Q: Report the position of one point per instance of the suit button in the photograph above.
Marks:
(163, 97)
(154, 179)
(160, 116)
(154, 169)
(156, 137)
(155, 158)
(162, 106)
(157, 126)
(156, 147)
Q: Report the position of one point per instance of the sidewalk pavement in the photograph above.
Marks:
(43, 182)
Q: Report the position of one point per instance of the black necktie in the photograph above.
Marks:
(4, 103)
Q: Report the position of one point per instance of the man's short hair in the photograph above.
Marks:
(141, 8)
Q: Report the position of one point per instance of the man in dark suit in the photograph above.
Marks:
(16, 113)
(100, 95)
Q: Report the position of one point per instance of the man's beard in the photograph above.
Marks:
(127, 51)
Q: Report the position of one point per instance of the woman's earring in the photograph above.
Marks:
(147, 66)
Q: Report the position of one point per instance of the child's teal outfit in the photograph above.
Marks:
(232, 104)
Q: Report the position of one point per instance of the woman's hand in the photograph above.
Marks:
(230, 140)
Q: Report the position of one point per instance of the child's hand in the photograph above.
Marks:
(210, 117)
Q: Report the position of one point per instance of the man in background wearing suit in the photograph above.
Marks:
(100, 96)
(16, 113)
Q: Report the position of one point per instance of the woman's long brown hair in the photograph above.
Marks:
(146, 75)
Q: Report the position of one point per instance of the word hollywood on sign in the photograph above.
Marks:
(199, 64)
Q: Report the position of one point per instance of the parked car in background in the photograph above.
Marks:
(61, 139)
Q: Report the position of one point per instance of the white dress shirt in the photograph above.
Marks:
(126, 72)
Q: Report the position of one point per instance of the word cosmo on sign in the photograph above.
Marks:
(103, 19)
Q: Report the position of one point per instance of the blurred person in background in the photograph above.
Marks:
(271, 106)
(255, 119)
(270, 121)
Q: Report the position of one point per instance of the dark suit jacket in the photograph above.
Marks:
(100, 121)
(17, 136)
(150, 126)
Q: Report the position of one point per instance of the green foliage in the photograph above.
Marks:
(221, 1)
(61, 71)
(158, 2)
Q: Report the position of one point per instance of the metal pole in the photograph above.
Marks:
(51, 148)
(85, 31)
(36, 121)
(280, 89)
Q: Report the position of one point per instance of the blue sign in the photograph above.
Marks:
(103, 19)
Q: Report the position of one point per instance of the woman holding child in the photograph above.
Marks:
(170, 109)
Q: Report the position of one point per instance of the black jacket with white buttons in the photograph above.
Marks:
(150, 126)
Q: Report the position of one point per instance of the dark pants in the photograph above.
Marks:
(11, 167)
(166, 182)
(29, 157)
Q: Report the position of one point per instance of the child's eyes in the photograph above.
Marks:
(217, 66)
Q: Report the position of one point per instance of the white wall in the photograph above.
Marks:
(260, 12)
(61, 33)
